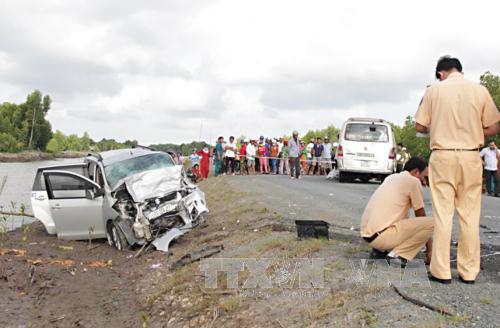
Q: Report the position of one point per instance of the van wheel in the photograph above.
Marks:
(382, 178)
(365, 179)
(343, 177)
(116, 237)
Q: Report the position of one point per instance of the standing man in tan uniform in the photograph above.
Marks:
(458, 114)
(385, 224)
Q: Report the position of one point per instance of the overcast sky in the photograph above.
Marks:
(161, 71)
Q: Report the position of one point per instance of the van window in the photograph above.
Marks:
(366, 132)
(64, 186)
(39, 184)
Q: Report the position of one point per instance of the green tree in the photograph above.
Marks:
(58, 143)
(492, 83)
(85, 142)
(330, 131)
(73, 142)
(407, 134)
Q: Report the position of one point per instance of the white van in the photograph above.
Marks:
(366, 150)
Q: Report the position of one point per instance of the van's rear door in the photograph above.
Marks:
(75, 205)
(367, 147)
(39, 197)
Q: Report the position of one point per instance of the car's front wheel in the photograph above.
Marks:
(116, 237)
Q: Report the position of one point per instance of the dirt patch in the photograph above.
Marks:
(48, 282)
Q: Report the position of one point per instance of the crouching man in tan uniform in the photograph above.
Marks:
(385, 224)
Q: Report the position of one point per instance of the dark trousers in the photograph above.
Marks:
(491, 183)
(229, 164)
(295, 166)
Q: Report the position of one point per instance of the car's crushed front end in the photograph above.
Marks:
(153, 203)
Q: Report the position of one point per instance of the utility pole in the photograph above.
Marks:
(201, 127)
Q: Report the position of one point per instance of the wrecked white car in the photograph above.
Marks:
(129, 196)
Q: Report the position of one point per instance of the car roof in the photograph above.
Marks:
(113, 156)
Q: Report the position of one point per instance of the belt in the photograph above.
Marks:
(372, 238)
(459, 149)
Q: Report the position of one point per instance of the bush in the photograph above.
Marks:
(9, 144)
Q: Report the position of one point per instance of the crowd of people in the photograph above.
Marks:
(265, 156)
(272, 156)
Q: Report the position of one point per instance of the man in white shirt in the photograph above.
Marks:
(491, 156)
(230, 154)
(251, 157)
(195, 158)
(309, 149)
(327, 155)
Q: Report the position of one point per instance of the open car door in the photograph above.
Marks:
(39, 197)
(75, 205)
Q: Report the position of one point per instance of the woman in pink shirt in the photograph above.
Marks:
(263, 161)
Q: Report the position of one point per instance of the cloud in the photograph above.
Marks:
(157, 71)
(309, 94)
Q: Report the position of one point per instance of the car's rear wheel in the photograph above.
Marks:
(116, 237)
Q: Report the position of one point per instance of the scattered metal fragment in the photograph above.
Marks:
(57, 318)
(140, 251)
(31, 275)
(197, 255)
(162, 243)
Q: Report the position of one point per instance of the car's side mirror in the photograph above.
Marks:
(93, 194)
(90, 194)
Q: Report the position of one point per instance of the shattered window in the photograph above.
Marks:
(366, 132)
(119, 170)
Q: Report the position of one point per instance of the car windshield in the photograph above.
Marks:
(366, 132)
(119, 170)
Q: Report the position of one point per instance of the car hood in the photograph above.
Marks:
(154, 183)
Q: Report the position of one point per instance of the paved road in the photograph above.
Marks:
(343, 204)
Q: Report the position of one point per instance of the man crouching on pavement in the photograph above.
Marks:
(385, 224)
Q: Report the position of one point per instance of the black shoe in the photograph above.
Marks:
(469, 282)
(441, 281)
(396, 261)
(375, 254)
